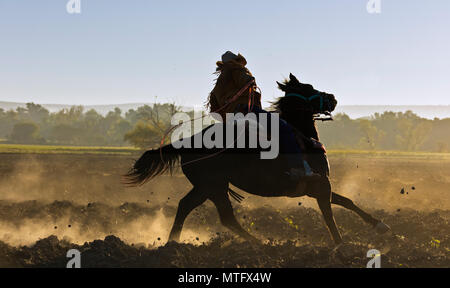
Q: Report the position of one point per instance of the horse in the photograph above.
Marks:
(212, 170)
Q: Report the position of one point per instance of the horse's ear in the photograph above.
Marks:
(281, 86)
(293, 78)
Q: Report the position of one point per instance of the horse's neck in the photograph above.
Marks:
(306, 126)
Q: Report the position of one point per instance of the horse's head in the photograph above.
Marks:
(303, 99)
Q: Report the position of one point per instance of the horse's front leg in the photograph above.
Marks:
(321, 190)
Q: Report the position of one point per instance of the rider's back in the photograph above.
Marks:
(233, 76)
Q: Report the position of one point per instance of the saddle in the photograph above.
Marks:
(308, 144)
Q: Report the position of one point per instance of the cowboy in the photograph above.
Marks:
(236, 91)
(233, 77)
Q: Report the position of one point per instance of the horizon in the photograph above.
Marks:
(134, 52)
(353, 111)
(151, 103)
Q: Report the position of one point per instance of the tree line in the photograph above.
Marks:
(33, 124)
(144, 127)
(404, 131)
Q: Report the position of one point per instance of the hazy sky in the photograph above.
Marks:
(131, 51)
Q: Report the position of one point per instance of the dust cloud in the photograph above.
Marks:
(51, 202)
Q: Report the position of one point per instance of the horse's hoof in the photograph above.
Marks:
(175, 239)
(382, 228)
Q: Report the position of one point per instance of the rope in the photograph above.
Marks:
(251, 98)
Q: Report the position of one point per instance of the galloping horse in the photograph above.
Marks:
(244, 169)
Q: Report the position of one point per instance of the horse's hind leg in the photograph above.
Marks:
(347, 203)
(227, 217)
(193, 199)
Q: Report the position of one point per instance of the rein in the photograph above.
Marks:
(251, 97)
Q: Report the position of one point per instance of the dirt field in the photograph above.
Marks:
(50, 203)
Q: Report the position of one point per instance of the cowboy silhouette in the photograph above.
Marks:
(236, 91)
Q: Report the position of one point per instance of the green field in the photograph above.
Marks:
(389, 154)
(54, 149)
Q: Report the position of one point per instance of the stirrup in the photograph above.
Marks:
(312, 176)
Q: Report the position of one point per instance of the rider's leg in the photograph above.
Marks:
(298, 167)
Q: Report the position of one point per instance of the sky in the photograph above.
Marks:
(146, 50)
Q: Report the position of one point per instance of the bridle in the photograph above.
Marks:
(321, 116)
(310, 98)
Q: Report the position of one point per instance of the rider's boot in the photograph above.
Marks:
(302, 173)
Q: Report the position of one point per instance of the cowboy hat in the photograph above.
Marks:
(229, 56)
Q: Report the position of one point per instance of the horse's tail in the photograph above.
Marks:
(151, 164)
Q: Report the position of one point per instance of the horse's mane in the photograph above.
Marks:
(290, 85)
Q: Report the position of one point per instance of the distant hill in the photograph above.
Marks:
(102, 109)
(354, 111)
(425, 111)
